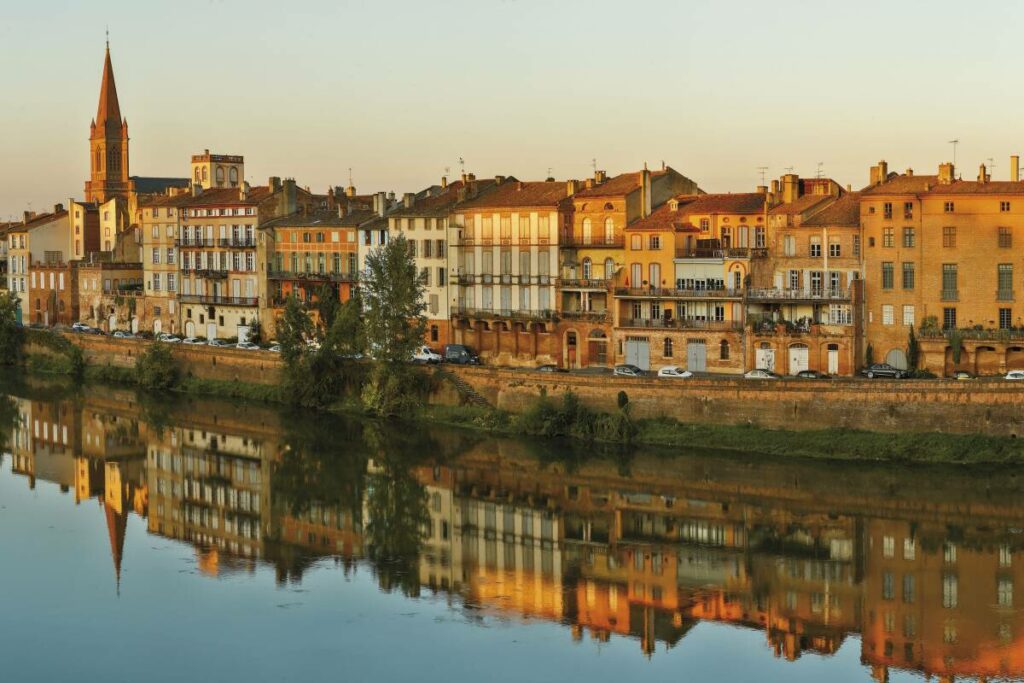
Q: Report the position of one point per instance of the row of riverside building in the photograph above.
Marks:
(643, 267)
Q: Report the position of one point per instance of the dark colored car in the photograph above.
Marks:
(812, 374)
(882, 370)
(460, 354)
(626, 370)
(550, 367)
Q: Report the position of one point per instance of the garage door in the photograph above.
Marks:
(638, 352)
(798, 356)
(696, 356)
(764, 359)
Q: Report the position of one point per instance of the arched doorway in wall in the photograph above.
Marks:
(986, 361)
(157, 327)
(190, 328)
(111, 323)
(1015, 358)
(764, 357)
(597, 348)
(833, 359)
(897, 358)
(135, 325)
(571, 353)
(799, 358)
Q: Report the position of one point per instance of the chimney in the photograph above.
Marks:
(588, 183)
(762, 189)
(57, 208)
(879, 173)
(380, 201)
(849, 187)
(909, 173)
(571, 187)
(1015, 168)
(645, 192)
(465, 178)
(946, 172)
(289, 200)
(982, 174)
(407, 199)
(197, 189)
(519, 186)
(790, 188)
(350, 191)
(600, 177)
(444, 182)
(29, 215)
(243, 191)
(275, 183)
(470, 177)
(499, 179)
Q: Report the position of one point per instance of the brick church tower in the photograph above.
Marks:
(108, 145)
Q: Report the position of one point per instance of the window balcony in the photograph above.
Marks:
(213, 300)
(680, 324)
(506, 313)
(585, 316)
(593, 241)
(583, 283)
(668, 293)
(275, 274)
(796, 295)
(722, 252)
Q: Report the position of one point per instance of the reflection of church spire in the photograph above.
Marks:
(117, 524)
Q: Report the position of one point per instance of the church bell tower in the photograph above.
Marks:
(108, 144)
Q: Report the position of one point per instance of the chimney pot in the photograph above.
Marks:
(407, 199)
(982, 174)
(946, 173)
(910, 172)
(57, 208)
(499, 179)
(1015, 168)
(444, 182)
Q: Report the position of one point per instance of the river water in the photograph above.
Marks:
(201, 540)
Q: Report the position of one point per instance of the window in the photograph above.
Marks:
(789, 245)
(1005, 556)
(908, 315)
(908, 209)
(949, 553)
(887, 210)
(834, 250)
(794, 279)
(156, 254)
(908, 275)
(887, 315)
(705, 224)
(908, 237)
(888, 586)
(949, 591)
(908, 588)
(654, 242)
(887, 239)
(949, 236)
(909, 549)
(1005, 238)
(668, 347)
(1004, 275)
(1004, 207)
(888, 547)
(1005, 318)
(949, 288)
(887, 275)
(815, 247)
(856, 245)
(949, 207)
(948, 318)
(1004, 594)
(759, 238)
(636, 242)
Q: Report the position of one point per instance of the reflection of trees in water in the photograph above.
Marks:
(396, 505)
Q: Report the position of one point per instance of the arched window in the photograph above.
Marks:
(587, 267)
(99, 160)
(609, 230)
(723, 350)
(233, 175)
(204, 173)
(197, 174)
(114, 160)
(608, 207)
(220, 175)
(609, 268)
(38, 304)
(587, 231)
(668, 347)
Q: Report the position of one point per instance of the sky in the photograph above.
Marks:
(400, 90)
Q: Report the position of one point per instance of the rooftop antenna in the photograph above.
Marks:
(821, 164)
(108, 36)
(763, 170)
(788, 169)
(462, 166)
(549, 172)
(954, 143)
(350, 176)
(991, 166)
(593, 163)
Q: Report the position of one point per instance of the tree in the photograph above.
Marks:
(869, 355)
(913, 350)
(327, 305)
(346, 334)
(395, 323)
(12, 335)
(156, 368)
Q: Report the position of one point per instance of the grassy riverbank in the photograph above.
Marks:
(565, 417)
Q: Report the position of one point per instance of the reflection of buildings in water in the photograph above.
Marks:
(930, 586)
(211, 489)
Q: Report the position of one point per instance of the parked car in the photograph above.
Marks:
(93, 330)
(274, 348)
(247, 346)
(217, 342)
(1015, 374)
(80, 327)
(760, 373)
(674, 371)
(195, 341)
(812, 374)
(550, 367)
(627, 370)
(460, 354)
(882, 370)
(123, 334)
(425, 354)
(169, 338)
(962, 375)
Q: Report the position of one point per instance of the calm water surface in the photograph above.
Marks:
(201, 541)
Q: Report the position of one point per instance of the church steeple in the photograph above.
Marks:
(108, 143)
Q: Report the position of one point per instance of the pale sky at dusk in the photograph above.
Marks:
(399, 90)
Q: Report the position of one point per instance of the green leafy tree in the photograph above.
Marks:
(395, 323)
(156, 368)
(327, 305)
(294, 329)
(913, 350)
(869, 355)
(346, 335)
(12, 335)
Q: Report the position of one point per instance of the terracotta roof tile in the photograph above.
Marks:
(229, 195)
(843, 213)
(805, 203)
(743, 202)
(317, 218)
(44, 219)
(622, 184)
(664, 218)
(515, 193)
(441, 203)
